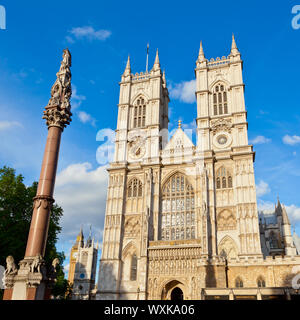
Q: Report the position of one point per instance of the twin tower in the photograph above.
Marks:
(177, 214)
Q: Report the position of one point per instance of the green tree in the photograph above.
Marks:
(15, 216)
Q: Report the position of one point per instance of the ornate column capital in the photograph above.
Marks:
(58, 111)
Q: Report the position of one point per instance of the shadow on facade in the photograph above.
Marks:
(210, 275)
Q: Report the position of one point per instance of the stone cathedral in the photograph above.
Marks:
(181, 219)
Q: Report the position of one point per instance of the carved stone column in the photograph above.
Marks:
(32, 279)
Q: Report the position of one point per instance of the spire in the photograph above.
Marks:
(179, 124)
(156, 65)
(285, 218)
(278, 208)
(80, 238)
(201, 56)
(234, 49)
(89, 240)
(128, 68)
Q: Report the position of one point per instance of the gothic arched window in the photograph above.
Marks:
(135, 189)
(178, 209)
(223, 179)
(133, 268)
(239, 282)
(139, 113)
(261, 283)
(220, 103)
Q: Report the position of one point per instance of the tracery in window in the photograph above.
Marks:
(139, 113)
(135, 189)
(223, 179)
(178, 209)
(220, 103)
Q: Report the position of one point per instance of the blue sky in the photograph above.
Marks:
(100, 35)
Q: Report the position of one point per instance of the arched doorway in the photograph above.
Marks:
(176, 294)
(173, 290)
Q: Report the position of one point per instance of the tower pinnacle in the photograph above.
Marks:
(201, 56)
(234, 49)
(128, 68)
(156, 65)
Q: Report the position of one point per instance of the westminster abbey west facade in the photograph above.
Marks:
(181, 219)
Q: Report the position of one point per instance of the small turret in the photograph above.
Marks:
(156, 65)
(127, 71)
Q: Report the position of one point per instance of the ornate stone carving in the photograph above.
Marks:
(36, 264)
(11, 268)
(226, 220)
(221, 125)
(58, 111)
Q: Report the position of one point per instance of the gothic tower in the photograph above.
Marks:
(223, 143)
(73, 256)
(85, 267)
(131, 207)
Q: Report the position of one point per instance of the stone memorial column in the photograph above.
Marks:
(30, 282)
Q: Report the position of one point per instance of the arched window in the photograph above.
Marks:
(133, 268)
(239, 282)
(139, 113)
(223, 179)
(178, 209)
(261, 283)
(220, 103)
(135, 189)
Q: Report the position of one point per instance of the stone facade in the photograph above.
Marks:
(184, 216)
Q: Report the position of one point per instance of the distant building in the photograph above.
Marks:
(275, 233)
(82, 270)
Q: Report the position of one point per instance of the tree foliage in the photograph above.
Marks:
(16, 200)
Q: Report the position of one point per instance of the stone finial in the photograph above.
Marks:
(127, 70)
(156, 65)
(234, 49)
(179, 124)
(58, 111)
(201, 56)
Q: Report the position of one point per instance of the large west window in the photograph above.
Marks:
(178, 209)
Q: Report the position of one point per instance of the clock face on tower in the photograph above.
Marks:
(74, 255)
(137, 148)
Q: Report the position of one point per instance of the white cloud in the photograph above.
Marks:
(293, 213)
(292, 210)
(5, 125)
(266, 206)
(89, 33)
(86, 118)
(291, 140)
(260, 140)
(81, 192)
(76, 98)
(262, 188)
(184, 91)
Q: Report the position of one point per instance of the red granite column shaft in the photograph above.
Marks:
(36, 243)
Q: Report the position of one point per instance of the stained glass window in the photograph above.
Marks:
(178, 209)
